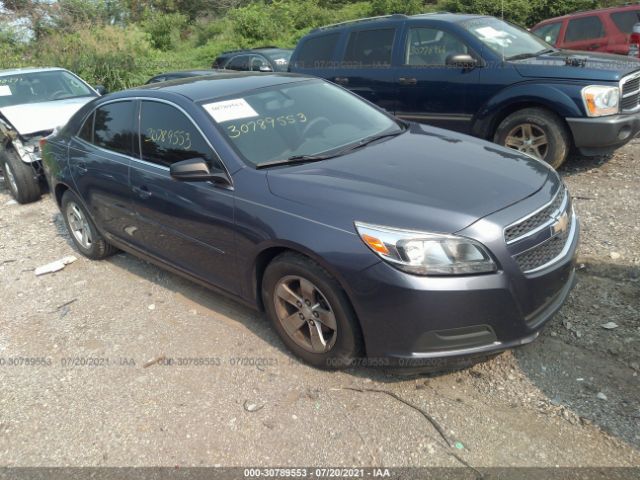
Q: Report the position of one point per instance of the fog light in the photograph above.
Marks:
(624, 133)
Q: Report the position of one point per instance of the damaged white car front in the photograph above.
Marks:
(33, 102)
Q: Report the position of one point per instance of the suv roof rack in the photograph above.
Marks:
(361, 20)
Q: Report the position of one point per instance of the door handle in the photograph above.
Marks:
(593, 46)
(142, 192)
(82, 168)
(407, 81)
(341, 80)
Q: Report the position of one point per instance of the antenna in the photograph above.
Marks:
(502, 8)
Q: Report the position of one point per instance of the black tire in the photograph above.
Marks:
(98, 248)
(19, 177)
(348, 337)
(558, 137)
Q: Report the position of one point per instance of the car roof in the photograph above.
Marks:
(580, 13)
(441, 16)
(202, 88)
(15, 71)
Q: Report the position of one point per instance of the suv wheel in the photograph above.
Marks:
(536, 132)
(310, 312)
(19, 176)
(83, 232)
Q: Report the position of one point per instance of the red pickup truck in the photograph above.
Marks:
(605, 30)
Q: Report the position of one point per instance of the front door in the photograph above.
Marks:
(188, 225)
(429, 90)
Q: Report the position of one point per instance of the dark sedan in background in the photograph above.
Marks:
(359, 234)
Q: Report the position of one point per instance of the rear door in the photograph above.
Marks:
(429, 90)
(365, 66)
(586, 33)
(188, 225)
(99, 158)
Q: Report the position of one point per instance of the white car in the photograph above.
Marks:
(33, 102)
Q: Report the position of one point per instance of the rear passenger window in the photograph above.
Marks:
(240, 63)
(626, 20)
(86, 132)
(168, 136)
(113, 127)
(584, 29)
(317, 52)
(430, 46)
(370, 47)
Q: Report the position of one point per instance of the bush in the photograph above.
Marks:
(388, 7)
(164, 29)
(111, 56)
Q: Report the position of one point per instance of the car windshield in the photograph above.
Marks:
(280, 59)
(37, 87)
(507, 40)
(294, 121)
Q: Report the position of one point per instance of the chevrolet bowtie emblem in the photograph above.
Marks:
(561, 225)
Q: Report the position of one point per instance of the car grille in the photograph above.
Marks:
(630, 88)
(545, 252)
(532, 223)
(542, 254)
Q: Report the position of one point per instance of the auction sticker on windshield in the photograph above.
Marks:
(230, 110)
(5, 91)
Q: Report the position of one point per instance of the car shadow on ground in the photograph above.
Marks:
(584, 370)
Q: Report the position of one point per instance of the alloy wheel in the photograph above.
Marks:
(305, 314)
(528, 138)
(79, 225)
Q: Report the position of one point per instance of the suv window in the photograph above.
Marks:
(626, 20)
(241, 63)
(113, 127)
(430, 46)
(316, 52)
(168, 136)
(584, 29)
(370, 47)
(549, 33)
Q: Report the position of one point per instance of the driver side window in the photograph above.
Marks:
(168, 136)
(431, 46)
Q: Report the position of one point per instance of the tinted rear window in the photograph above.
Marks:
(113, 127)
(370, 47)
(626, 20)
(316, 52)
(584, 29)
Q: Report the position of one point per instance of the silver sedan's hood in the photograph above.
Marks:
(30, 118)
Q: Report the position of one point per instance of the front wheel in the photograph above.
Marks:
(536, 132)
(311, 312)
(20, 177)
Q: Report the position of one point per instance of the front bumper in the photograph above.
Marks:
(410, 321)
(602, 135)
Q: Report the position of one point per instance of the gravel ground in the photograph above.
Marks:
(571, 398)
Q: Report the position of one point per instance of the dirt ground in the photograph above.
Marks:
(75, 391)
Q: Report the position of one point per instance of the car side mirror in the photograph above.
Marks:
(197, 170)
(101, 89)
(462, 60)
(265, 69)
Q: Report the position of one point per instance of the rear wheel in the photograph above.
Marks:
(311, 312)
(83, 232)
(536, 132)
(19, 176)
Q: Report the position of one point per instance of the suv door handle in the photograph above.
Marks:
(407, 81)
(142, 192)
(341, 80)
(593, 46)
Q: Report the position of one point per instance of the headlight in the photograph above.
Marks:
(423, 253)
(600, 100)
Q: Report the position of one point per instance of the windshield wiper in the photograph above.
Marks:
(522, 56)
(298, 159)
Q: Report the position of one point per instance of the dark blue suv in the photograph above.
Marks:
(483, 76)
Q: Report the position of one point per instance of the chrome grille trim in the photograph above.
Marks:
(567, 239)
(630, 93)
(548, 212)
